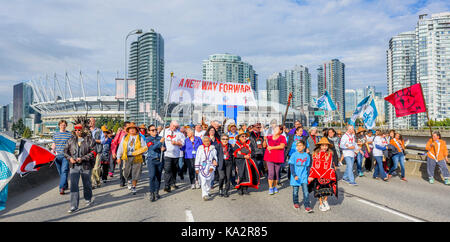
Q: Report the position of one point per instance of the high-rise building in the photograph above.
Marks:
(229, 68)
(432, 39)
(22, 100)
(276, 88)
(298, 81)
(331, 78)
(350, 102)
(401, 73)
(146, 65)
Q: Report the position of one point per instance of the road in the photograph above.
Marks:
(373, 201)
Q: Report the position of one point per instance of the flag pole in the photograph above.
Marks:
(287, 108)
(428, 117)
(165, 112)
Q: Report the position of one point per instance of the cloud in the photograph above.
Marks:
(44, 37)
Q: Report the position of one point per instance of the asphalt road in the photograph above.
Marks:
(371, 201)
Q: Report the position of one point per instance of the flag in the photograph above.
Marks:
(32, 157)
(8, 166)
(325, 102)
(408, 101)
(367, 111)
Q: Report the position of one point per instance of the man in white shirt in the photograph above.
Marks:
(173, 141)
(348, 146)
(199, 132)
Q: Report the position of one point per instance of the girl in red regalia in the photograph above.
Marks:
(247, 171)
(322, 176)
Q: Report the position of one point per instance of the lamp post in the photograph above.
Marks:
(137, 31)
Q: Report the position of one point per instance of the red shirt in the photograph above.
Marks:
(275, 156)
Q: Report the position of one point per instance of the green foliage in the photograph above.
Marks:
(26, 133)
(443, 123)
(19, 127)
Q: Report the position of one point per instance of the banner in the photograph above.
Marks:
(408, 101)
(32, 157)
(325, 102)
(8, 167)
(208, 92)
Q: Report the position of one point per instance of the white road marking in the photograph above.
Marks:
(189, 216)
(391, 211)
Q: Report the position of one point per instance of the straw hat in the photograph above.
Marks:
(132, 125)
(239, 135)
(231, 125)
(324, 141)
(361, 129)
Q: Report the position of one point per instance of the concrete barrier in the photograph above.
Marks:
(416, 165)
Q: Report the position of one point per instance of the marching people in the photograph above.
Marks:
(348, 146)
(105, 157)
(292, 141)
(247, 171)
(369, 161)
(205, 165)
(199, 132)
(437, 154)
(98, 136)
(232, 134)
(312, 140)
(399, 156)
(274, 157)
(379, 145)
(154, 163)
(322, 176)
(256, 140)
(225, 165)
(130, 152)
(299, 162)
(60, 139)
(114, 146)
(190, 148)
(360, 150)
(334, 140)
(80, 152)
(173, 141)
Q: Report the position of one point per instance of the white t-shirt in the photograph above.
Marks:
(348, 140)
(380, 141)
(173, 151)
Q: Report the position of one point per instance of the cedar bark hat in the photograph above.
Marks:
(361, 129)
(324, 141)
(132, 125)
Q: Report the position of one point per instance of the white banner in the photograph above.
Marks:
(221, 93)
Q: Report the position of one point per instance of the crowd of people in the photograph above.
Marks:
(235, 158)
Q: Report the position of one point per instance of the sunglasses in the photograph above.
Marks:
(224, 139)
(151, 130)
(77, 130)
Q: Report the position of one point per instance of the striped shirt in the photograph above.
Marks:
(60, 139)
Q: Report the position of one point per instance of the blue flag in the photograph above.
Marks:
(325, 102)
(8, 166)
(367, 111)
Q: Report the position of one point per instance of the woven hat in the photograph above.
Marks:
(324, 141)
(132, 125)
(361, 129)
(104, 128)
(142, 126)
(239, 135)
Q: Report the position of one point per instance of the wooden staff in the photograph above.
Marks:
(287, 108)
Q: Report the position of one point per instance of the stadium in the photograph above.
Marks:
(68, 97)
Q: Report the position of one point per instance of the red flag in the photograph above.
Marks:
(408, 101)
(32, 157)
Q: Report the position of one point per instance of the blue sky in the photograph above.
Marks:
(48, 36)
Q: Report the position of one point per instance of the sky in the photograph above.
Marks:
(41, 38)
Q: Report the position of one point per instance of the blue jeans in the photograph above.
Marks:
(359, 159)
(379, 170)
(305, 194)
(154, 172)
(348, 174)
(62, 165)
(395, 159)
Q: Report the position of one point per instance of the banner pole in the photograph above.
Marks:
(165, 112)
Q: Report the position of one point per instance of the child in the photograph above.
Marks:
(106, 154)
(205, 165)
(299, 162)
(322, 178)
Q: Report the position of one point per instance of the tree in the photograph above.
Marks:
(18, 128)
(26, 133)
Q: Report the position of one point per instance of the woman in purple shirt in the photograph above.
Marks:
(189, 148)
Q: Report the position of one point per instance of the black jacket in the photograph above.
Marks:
(220, 156)
(254, 146)
(86, 151)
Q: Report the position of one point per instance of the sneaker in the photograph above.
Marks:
(347, 181)
(193, 186)
(403, 179)
(271, 191)
(431, 180)
(340, 164)
(88, 203)
(275, 190)
(327, 207)
(72, 209)
(61, 191)
(353, 184)
(308, 210)
(447, 181)
(110, 174)
(129, 185)
(361, 174)
(296, 206)
(133, 190)
(322, 208)
(205, 198)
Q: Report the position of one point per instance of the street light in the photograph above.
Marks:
(137, 31)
